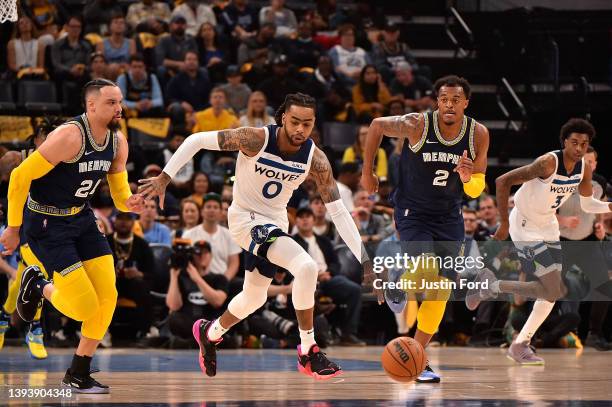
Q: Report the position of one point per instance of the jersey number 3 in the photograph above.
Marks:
(557, 202)
(441, 179)
(86, 188)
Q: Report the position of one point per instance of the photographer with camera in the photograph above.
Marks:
(194, 291)
(134, 267)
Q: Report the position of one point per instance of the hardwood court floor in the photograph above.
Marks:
(471, 376)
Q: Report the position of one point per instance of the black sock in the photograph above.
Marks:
(34, 325)
(80, 365)
(4, 316)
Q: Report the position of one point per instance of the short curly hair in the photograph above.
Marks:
(576, 125)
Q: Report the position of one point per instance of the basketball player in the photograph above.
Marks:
(445, 155)
(34, 337)
(60, 227)
(545, 185)
(272, 162)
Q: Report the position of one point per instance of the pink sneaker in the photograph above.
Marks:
(208, 349)
(316, 364)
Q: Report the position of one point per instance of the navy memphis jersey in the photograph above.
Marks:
(73, 183)
(427, 183)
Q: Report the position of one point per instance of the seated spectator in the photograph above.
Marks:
(354, 154)
(322, 226)
(257, 112)
(190, 216)
(183, 177)
(280, 84)
(98, 67)
(98, 13)
(371, 226)
(117, 48)
(348, 59)
(370, 95)
(282, 17)
(238, 93)
(69, 55)
(171, 50)
(396, 107)
(488, 216)
(303, 51)
(195, 292)
(135, 276)
(196, 13)
(239, 20)
(388, 54)
(259, 47)
(416, 91)
(153, 231)
(24, 52)
(190, 88)
(216, 117)
(225, 251)
(348, 182)
(47, 15)
(212, 55)
(199, 187)
(140, 11)
(141, 91)
(331, 282)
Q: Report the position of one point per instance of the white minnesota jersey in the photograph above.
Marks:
(265, 182)
(538, 199)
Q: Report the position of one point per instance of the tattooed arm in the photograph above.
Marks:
(409, 126)
(248, 140)
(542, 167)
(321, 173)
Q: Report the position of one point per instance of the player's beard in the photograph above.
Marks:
(114, 125)
(290, 138)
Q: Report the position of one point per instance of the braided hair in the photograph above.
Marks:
(294, 99)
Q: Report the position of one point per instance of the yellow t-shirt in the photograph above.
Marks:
(207, 121)
(380, 161)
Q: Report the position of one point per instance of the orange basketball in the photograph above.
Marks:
(403, 359)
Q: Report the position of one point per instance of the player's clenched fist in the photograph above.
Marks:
(10, 240)
(369, 182)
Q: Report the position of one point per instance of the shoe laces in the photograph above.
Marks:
(320, 359)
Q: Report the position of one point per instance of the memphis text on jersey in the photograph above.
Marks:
(94, 165)
(441, 157)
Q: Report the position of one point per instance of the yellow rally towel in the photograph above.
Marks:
(156, 127)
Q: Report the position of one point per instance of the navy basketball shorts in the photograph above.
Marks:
(422, 233)
(61, 243)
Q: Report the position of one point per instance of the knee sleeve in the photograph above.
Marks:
(101, 273)
(430, 315)
(305, 272)
(74, 295)
(253, 295)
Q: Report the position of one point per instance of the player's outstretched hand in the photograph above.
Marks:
(369, 182)
(464, 167)
(502, 231)
(135, 203)
(10, 240)
(368, 281)
(155, 186)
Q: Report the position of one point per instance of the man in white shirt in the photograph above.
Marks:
(225, 251)
(348, 181)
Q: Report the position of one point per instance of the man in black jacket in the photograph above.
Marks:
(331, 282)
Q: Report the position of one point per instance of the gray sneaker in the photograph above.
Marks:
(524, 354)
(396, 298)
(475, 296)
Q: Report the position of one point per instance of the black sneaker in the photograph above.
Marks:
(29, 298)
(208, 349)
(86, 384)
(598, 342)
(315, 364)
(351, 340)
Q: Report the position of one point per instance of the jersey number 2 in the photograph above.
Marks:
(441, 179)
(86, 188)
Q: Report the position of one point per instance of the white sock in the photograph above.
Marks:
(541, 309)
(307, 340)
(216, 331)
